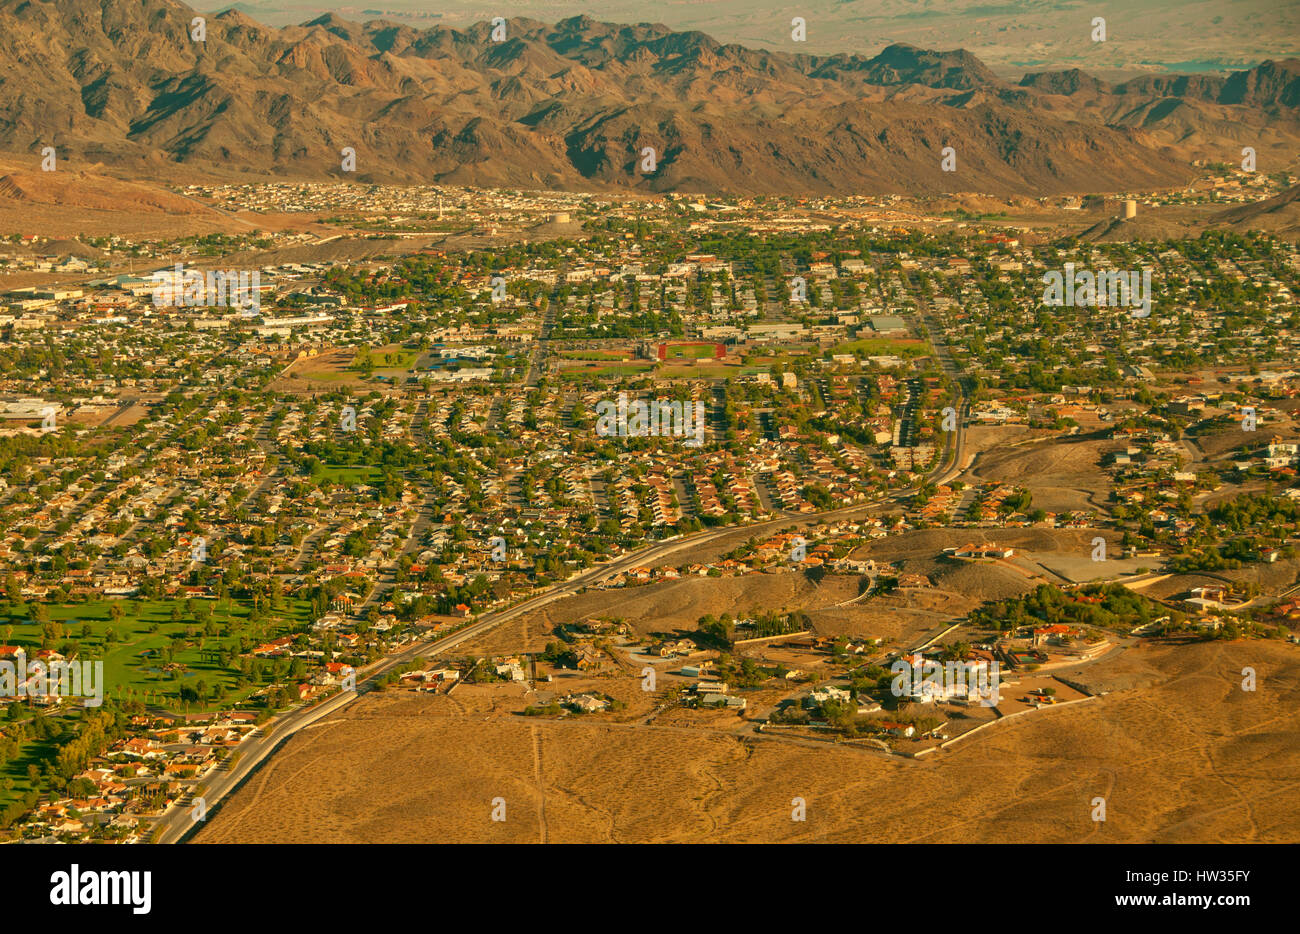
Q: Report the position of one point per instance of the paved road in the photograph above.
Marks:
(954, 374)
(177, 823)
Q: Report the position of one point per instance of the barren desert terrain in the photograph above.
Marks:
(1178, 750)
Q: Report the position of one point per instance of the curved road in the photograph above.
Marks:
(177, 824)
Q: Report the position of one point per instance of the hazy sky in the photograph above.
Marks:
(1012, 37)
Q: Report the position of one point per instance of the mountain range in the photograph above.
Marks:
(573, 106)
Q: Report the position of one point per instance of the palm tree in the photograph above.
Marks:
(955, 651)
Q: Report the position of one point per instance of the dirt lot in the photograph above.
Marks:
(676, 606)
(1042, 555)
(1226, 443)
(326, 372)
(1018, 692)
(1187, 757)
(1271, 578)
(1061, 473)
(956, 587)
